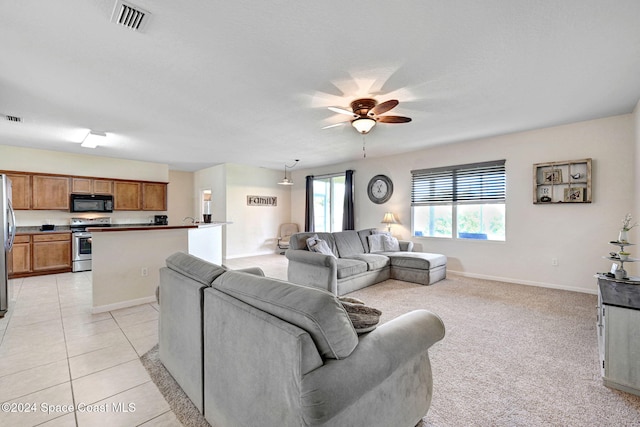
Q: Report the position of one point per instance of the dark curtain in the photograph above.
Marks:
(308, 208)
(348, 216)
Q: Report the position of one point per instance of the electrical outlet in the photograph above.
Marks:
(554, 262)
(144, 271)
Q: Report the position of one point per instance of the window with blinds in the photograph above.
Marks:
(465, 201)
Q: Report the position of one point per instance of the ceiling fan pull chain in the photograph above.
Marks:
(364, 150)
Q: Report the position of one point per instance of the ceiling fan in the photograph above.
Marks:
(366, 113)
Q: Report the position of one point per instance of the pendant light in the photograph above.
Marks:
(285, 180)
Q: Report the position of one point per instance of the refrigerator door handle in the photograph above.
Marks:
(12, 228)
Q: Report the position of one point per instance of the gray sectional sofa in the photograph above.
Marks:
(352, 264)
(249, 350)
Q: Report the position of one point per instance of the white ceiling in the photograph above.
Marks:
(248, 82)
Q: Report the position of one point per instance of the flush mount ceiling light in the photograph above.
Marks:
(93, 139)
(285, 180)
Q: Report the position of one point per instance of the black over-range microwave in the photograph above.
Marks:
(91, 203)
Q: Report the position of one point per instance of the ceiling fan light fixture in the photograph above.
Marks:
(364, 124)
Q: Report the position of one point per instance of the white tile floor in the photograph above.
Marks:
(56, 356)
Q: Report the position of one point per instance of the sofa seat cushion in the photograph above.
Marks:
(195, 268)
(350, 267)
(374, 261)
(419, 260)
(316, 311)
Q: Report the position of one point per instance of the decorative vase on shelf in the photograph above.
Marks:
(623, 237)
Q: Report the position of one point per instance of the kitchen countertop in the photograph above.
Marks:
(117, 227)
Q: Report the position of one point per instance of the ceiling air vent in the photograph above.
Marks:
(129, 16)
(14, 119)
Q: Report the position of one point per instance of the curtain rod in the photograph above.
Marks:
(329, 175)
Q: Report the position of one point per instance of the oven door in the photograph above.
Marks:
(81, 251)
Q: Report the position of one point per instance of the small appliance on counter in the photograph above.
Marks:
(47, 227)
(160, 220)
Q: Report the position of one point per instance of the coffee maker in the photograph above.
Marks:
(160, 220)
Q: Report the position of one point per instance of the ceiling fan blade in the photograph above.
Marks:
(393, 119)
(342, 111)
(384, 107)
(334, 125)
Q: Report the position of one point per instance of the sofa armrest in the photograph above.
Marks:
(256, 271)
(406, 245)
(308, 257)
(312, 269)
(394, 351)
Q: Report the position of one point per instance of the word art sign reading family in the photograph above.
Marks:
(262, 201)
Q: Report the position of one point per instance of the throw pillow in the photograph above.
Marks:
(316, 244)
(364, 319)
(390, 243)
(375, 243)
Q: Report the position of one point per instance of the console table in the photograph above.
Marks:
(619, 332)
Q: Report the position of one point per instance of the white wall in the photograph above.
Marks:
(254, 229)
(44, 161)
(180, 196)
(577, 235)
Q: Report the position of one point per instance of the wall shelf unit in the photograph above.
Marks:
(562, 182)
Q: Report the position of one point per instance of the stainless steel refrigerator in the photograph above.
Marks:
(8, 233)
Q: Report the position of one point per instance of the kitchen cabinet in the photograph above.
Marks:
(127, 196)
(154, 196)
(102, 186)
(20, 256)
(50, 192)
(91, 186)
(20, 191)
(51, 252)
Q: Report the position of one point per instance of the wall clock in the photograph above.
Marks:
(380, 189)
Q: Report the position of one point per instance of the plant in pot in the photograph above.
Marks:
(626, 226)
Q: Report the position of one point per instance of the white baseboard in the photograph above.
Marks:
(523, 282)
(122, 304)
(250, 255)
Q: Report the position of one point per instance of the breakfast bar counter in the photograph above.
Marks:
(126, 259)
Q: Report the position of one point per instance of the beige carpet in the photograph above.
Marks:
(513, 355)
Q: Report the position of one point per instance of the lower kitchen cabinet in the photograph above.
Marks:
(40, 254)
(20, 256)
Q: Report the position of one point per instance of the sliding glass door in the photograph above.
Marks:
(328, 203)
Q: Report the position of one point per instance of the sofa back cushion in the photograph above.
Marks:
(348, 243)
(299, 241)
(195, 268)
(316, 311)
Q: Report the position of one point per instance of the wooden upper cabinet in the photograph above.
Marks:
(50, 192)
(154, 196)
(91, 186)
(102, 186)
(127, 196)
(20, 191)
(81, 185)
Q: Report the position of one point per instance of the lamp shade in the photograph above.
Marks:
(389, 218)
(363, 124)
